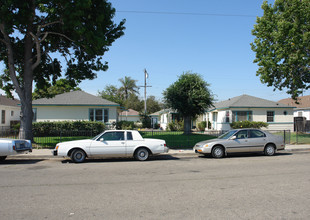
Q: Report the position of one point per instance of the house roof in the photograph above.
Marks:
(76, 98)
(9, 102)
(303, 102)
(129, 112)
(247, 101)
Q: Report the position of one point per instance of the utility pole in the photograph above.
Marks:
(146, 75)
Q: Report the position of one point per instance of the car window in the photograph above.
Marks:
(113, 136)
(256, 134)
(242, 134)
(129, 136)
(227, 134)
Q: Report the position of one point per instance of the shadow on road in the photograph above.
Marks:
(20, 161)
(118, 160)
(234, 155)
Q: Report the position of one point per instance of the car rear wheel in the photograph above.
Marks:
(270, 150)
(142, 154)
(2, 158)
(218, 152)
(78, 156)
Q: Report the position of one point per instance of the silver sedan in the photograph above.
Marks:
(241, 140)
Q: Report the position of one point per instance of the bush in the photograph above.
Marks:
(54, 128)
(248, 124)
(125, 125)
(146, 121)
(176, 126)
(202, 125)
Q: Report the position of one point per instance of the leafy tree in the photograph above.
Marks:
(32, 31)
(282, 45)
(133, 102)
(190, 96)
(128, 87)
(112, 94)
(152, 105)
(59, 87)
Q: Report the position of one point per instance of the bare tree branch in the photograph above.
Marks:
(38, 49)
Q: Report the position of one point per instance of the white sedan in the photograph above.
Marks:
(112, 143)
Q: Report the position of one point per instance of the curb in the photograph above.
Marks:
(175, 153)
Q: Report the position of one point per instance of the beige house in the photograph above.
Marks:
(10, 112)
(249, 108)
(74, 106)
(129, 115)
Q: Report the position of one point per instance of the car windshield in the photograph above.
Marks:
(95, 138)
(227, 134)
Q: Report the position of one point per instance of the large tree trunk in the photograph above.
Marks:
(25, 131)
(187, 124)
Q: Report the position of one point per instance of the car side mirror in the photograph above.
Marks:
(101, 139)
(233, 138)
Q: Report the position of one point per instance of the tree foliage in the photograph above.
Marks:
(282, 45)
(59, 87)
(190, 96)
(118, 95)
(35, 33)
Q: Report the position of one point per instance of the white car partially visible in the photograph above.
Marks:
(112, 143)
(14, 147)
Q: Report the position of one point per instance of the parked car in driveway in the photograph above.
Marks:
(14, 147)
(112, 143)
(241, 140)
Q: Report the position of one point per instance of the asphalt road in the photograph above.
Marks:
(166, 187)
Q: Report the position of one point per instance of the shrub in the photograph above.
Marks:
(176, 126)
(54, 128)
(248, 124)
(125, 125)
(202, 125)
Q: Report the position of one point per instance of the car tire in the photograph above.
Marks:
(2, 158)
(78, 156)
(218, 152)
(270, 150)
(142, 154)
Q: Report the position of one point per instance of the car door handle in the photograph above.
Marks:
(122, 142)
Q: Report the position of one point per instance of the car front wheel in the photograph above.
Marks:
(142, 154)
(218, 152)
(78, 156)
(269, 150)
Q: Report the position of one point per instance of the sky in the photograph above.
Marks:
(170, 37)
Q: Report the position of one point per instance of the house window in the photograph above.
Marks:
(270, 116)
(242, 116)
(34, 115)
(3, 117)
(99, 114)
(227, 117)
(12, 113)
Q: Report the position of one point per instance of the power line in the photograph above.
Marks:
(186, 13)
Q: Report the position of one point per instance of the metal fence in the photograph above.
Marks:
(174, 139)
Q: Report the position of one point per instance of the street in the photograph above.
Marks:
(165, 187)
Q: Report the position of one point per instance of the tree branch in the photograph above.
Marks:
(10, 52)
(38, 49)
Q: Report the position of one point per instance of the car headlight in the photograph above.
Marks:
(206, 145)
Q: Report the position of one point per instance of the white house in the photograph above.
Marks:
(249, 108)
(10, 111)
(302, 106)
(74, 106)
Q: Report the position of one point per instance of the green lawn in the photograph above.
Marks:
(174, 140)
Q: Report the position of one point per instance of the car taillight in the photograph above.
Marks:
(13, 147)
(165, 145)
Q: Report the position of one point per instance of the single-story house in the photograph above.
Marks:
(302, 106)
(249, 108)
(74, 106)
(10, 112)
(129, 115)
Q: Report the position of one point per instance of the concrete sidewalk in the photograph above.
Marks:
(47, 153)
